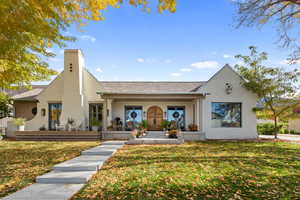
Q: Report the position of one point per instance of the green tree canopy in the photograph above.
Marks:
(277, 88)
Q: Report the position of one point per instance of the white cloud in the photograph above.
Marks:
(186, 69)
(227, 56)
(176, 74)
(99, 70)
(168, 61)
(140, 60)
(88, 38)
(205, 64)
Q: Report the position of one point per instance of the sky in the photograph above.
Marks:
(189, 45)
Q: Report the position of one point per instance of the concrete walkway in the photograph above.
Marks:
(68, 177)
(289, 137)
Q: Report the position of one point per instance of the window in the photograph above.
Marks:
(54, 115)
(177, 114)
(226, 115)
(34, 110)
(133, 116)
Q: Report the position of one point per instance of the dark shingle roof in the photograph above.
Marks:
(138, 87)
(25, 93)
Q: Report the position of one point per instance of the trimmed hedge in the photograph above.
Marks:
(269, 128)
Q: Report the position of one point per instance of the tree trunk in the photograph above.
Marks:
(275, 127)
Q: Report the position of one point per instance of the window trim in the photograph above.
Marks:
(241, 112)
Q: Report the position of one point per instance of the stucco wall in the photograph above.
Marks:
(118, 108)
(52, 94)
(24, 109)
(215, 88)
(294, 124)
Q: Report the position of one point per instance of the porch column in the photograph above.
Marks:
(197, 113)
(109, 111)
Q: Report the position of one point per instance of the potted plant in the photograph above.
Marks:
(20, 123)
(193, 127)
(43, 128)
(95, 124)
(173, 133)
(134, 134)
(70, 123)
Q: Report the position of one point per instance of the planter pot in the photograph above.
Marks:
(21, 128)
(95, 128)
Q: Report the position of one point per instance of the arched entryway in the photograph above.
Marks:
(154, 117)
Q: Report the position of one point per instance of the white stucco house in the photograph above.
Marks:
(220, 107)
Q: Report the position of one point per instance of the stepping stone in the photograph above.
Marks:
(113, 143)
(82, 163)
(99, 151)
(72, 177)
(45, 192)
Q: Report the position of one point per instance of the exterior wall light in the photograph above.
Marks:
(43, 112)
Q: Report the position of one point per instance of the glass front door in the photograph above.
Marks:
(95, 113)
(54, 115)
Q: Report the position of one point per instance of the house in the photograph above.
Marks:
(294, 124)
(220, 107)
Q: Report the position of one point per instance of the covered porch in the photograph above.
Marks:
(121, 111)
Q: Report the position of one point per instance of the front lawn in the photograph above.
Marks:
(206, 170)
(21, 162)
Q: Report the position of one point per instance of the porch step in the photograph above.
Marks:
(82, 163)
(155, 134)
(155, 141)
(57, 135)
(61, 177)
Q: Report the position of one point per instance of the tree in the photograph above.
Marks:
(28, 28)
(5, 105)
(284, 13)
(276, 88)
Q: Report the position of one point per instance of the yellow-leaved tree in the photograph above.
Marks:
(28, 28)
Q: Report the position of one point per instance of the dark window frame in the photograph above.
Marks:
(135, 108)
(184, 113)
(241, 112)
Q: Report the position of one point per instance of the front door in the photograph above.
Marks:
(154, 118)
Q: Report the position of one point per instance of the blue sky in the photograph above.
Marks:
(189, 45)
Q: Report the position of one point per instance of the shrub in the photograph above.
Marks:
(165, 124)
(284, 131)
(143, 124)
(19, 121)
(269, 128)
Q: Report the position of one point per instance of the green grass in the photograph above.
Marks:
(21, 162)
(206, 170)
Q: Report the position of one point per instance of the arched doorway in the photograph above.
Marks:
(154, 117)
